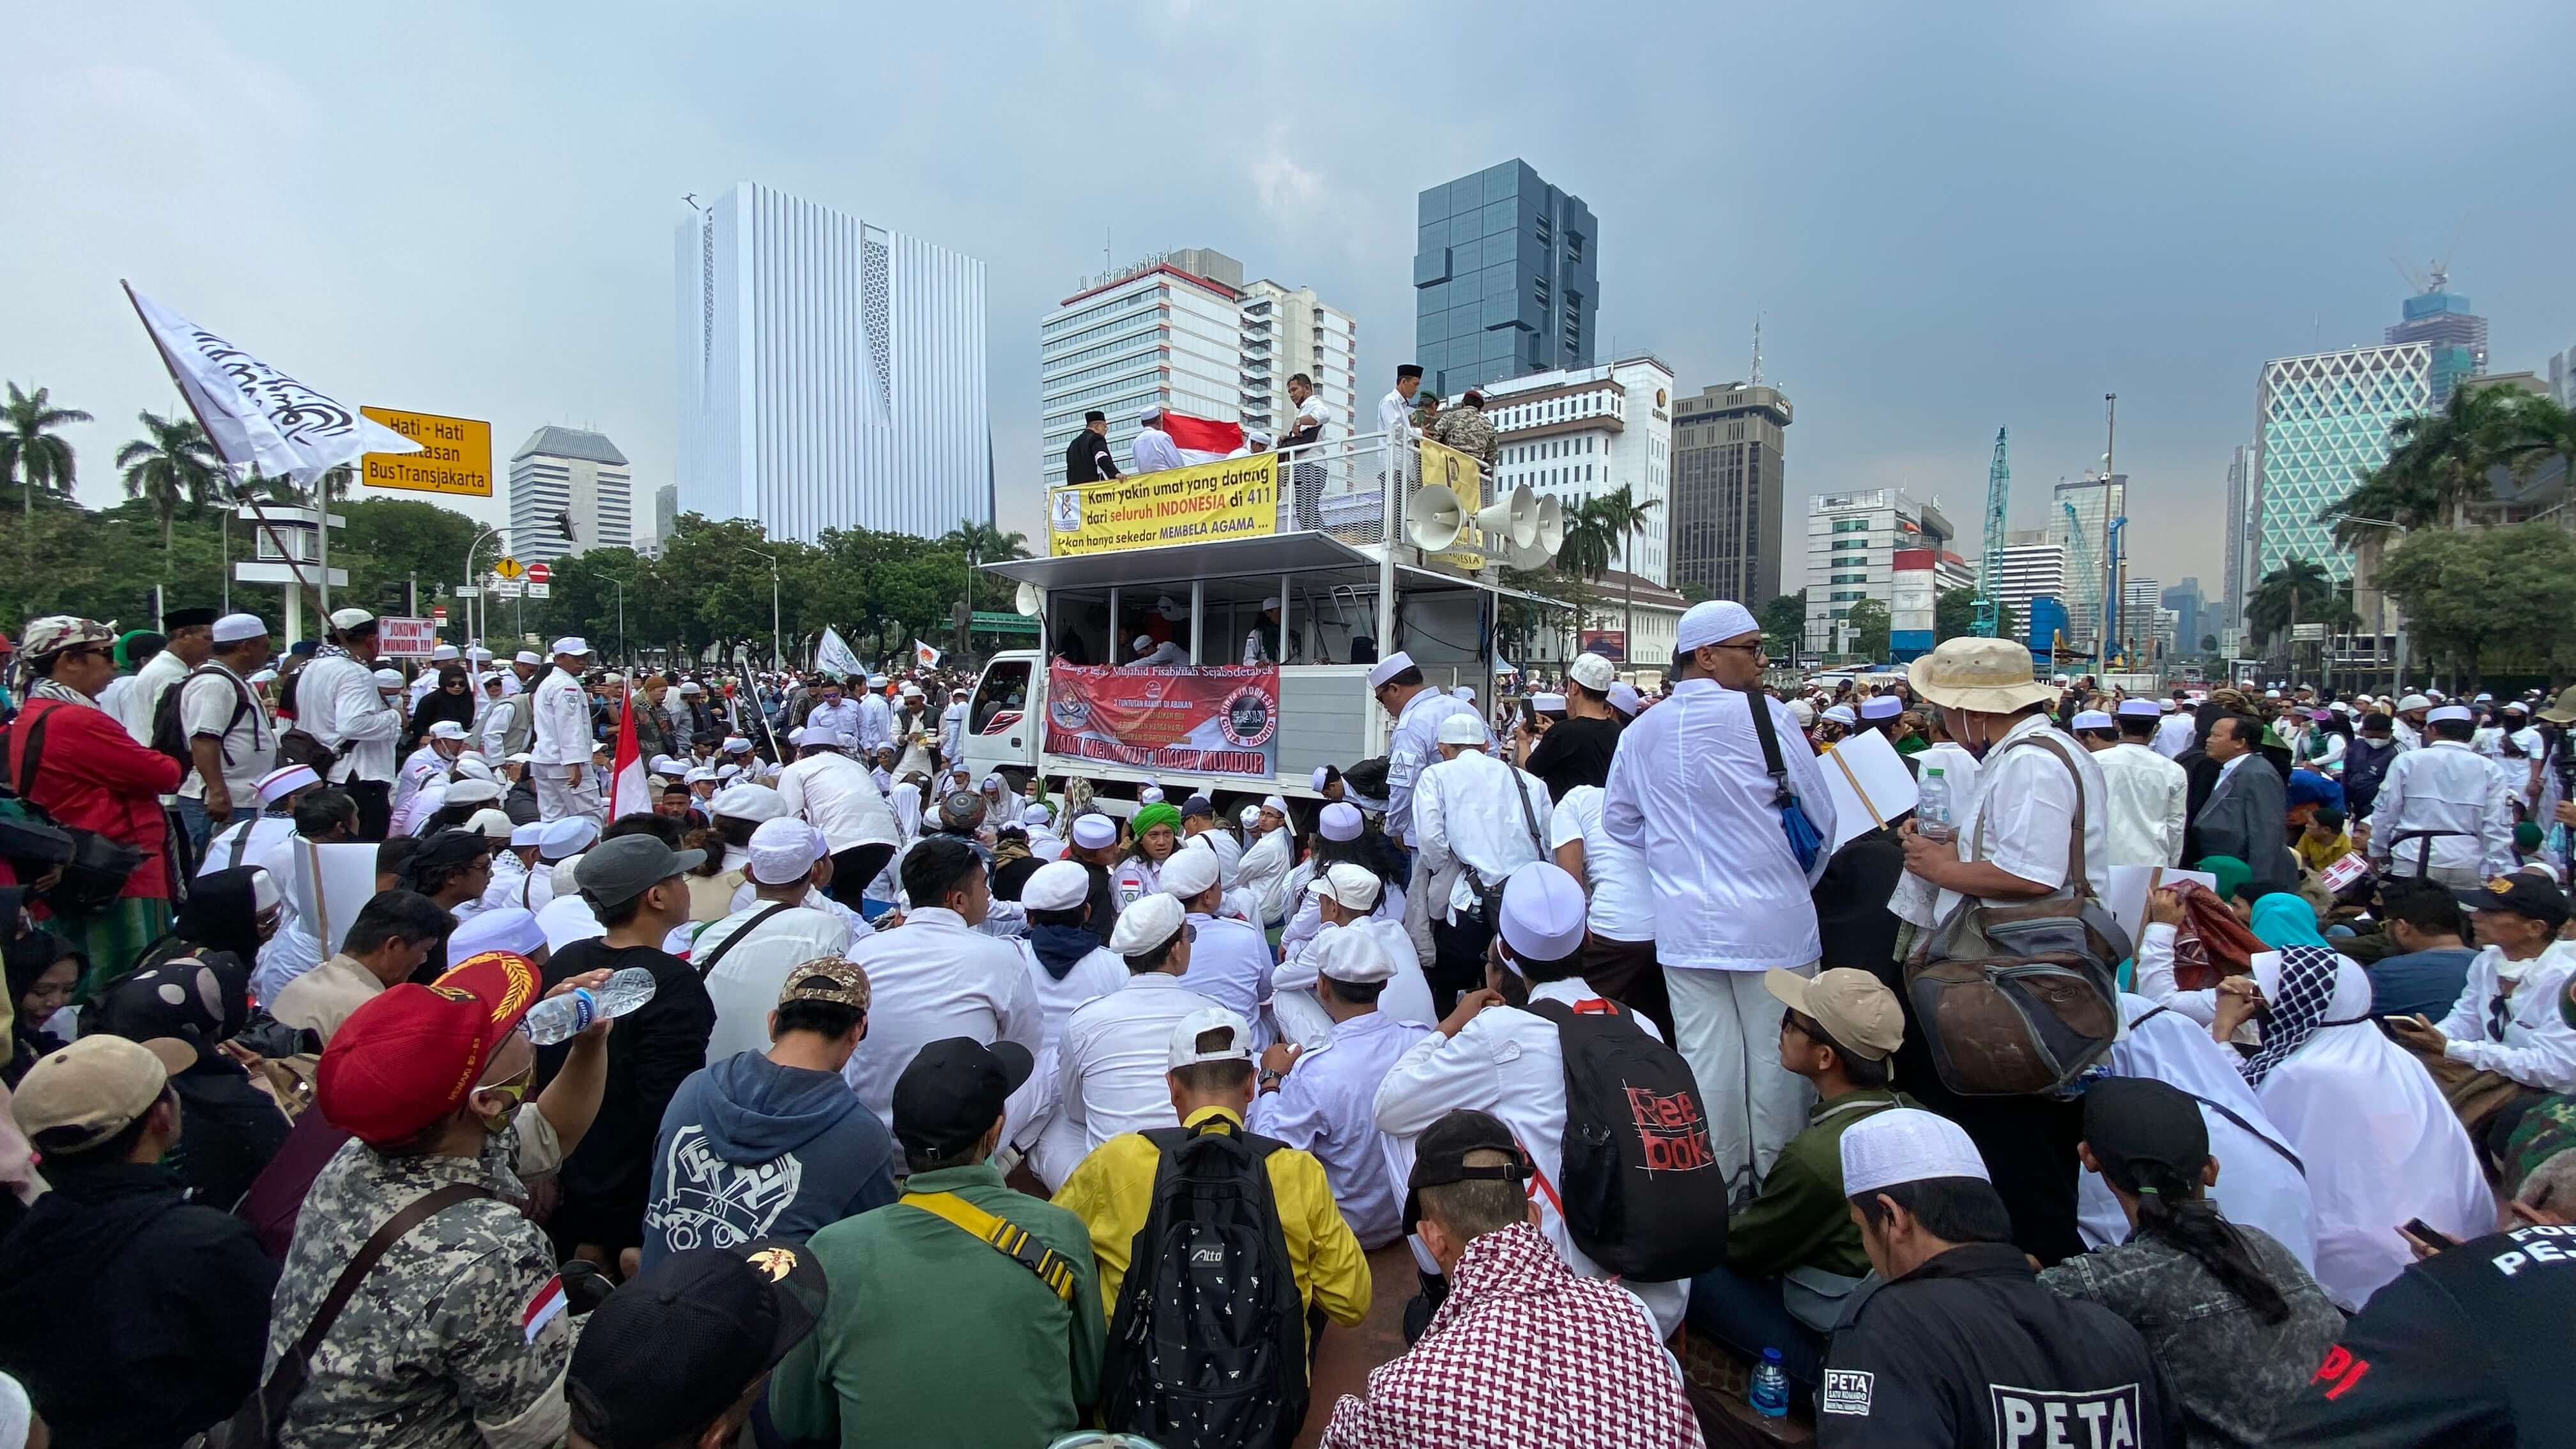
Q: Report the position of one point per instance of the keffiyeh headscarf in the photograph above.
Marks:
(2304, 983)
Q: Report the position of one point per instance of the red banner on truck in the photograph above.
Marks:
(1220, 719)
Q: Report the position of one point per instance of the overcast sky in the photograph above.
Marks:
(1950, 217)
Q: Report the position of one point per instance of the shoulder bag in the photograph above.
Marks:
(93, 880)
(1489, 896)
(1806, 842)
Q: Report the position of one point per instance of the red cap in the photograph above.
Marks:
(409, 1057)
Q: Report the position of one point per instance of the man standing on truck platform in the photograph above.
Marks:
(1086, 457)
(1417, 709)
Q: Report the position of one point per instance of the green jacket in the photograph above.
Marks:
(1801, 1220)
(935, 1338)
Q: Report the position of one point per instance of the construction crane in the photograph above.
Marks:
(2080, 565)
(1990, 569)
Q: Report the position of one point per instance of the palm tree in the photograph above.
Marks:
(173, 465)
(2299, 591)
(1585, 556)
(1623, 518)
(32, 454)
(2438, 461)
(2541, 428)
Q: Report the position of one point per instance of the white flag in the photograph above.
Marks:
(257, 416)
(925, 656)
(835, 657)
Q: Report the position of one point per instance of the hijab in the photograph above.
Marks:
(438, 705)
(2231, 873)
(200, 1001)
(2305, 984)
(2283, 920)
(219, 918)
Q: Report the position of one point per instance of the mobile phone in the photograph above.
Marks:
(2426, 1234)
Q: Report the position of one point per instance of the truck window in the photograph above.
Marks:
(1004, 690)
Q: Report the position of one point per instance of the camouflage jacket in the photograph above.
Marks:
(456, 1338)
(1467, 430)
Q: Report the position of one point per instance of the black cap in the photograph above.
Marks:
(954, 1090)
(1095, 416)
(1407, 370)
(175, 620)
(2524, 893)
(1440, 1157)
(1198, 805)
(2133, 1120)
(681, 1341)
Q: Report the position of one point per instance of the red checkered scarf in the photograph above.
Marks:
(1523, 1355)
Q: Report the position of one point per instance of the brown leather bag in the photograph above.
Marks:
(2018, 998)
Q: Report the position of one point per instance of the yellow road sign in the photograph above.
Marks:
(508, 567)
(455, 455)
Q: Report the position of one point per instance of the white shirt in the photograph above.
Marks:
(833, 793)
(2175, 732)
(416, 772)
(562, 721)
(1096, 975)
(494, 728)
(2147, 794)
(1407, 997)
(256, 835)
(1413, 747)
(840, 717)
(137, 703)
(876, 721)
(1689, 793)
(2444, 786)
(745, 984)
(746, 893)
(952, 720)
(207, 706)
(1508, 1062)
(1394, 416)
(336, 702)
(1263, 873)
(1229, 964)
(1163, 656)
(566, 919)
(1153, 451)
(1615, 875)
(2536, 1048)
(930, 979)
(414, 812)
(1464, 812)
(1327, 1105)
(2026, 800)
(1115, 1055)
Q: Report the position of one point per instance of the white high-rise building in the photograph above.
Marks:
(832, 372)
(2034, 566)
(1575, 433)
(1287, 331)
(1852, 543)
(2078, 515)
(568, 478)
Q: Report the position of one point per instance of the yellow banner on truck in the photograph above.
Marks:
(1457, 472)
(1230, 498)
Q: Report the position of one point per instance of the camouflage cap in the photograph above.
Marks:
(835, 979)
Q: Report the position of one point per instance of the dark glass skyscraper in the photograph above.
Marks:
(1506, 279)
(2441, 319)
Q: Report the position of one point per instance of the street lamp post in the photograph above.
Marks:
(777, 649)
(2379, 605)
(479, 613)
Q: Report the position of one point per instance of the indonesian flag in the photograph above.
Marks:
(1202, 440)
(543, 1309)
(925, 656)
(627, 792)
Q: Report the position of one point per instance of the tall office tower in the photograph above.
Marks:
(1853, 540)
(2034, 567)
(2321, 424)
(2141, 603)
(2190, 612)
(832, 372)
(567, 478)
(1577, 433)
(1286, 331)
(1730, 470)
(1506, 279)
(666, 513)
(2440, 319)
(2562, 377)
(2095, 501)
(2236, 531)
(1164, 332)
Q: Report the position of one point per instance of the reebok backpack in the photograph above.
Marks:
(1642, 1192)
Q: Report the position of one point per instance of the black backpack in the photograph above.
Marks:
(1207, 1348)
(1642, 1193)
(170, 736)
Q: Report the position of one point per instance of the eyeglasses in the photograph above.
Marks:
(1756, 650)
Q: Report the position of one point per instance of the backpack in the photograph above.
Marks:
(2018, 998)
(170, 735)
(1641, 1192)
(1208, 1344)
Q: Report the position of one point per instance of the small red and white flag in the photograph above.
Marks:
(925, 656)
(543, 1309)
(627, 792)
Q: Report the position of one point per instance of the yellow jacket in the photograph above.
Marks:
(1113, 1191)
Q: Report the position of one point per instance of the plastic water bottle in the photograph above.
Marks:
(1932, 810)
(1770, 1386)
(561, 1018)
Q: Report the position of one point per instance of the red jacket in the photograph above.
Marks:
(93, 776)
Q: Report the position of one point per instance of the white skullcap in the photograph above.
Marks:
(801, 734)
(1841, 714)
(521, 758)
(1548, 703)
(1275, 802)
(1272, 602)
(528, 834)
(737, 745)
(1142, 643)
(509, 928)
(527, 656)
(1187, 1031)
(440, 653)
(1389, 667)
(1060, 886)
(692, 687)
(1353, 956)
(1147, 924)
(1466, 692)
(1317, 782)
(2413, 701)
(1341, 821)
(478, 652)
(265, 676)
(350, 618)
(727, 772)
(389, 679)
(472, 767)
(2140, 709)
(2092, 719)
(1047, 847)
(447, 729)
(743, 800)
(234, 628)
(1352, 886)
(264, 894)
(491, 824)
(1713, 621)
(572, 644)
(1255, 435)
(1462, 728)
(1037, 813)
(783, 850)
(1592, 672)
(1543, 912)
(1189, 873)
(565, 838)
(1902, 1145)
(279, 783)
(1148, 414)
(2446, 713)
(470, 791)
(876, 681)
(1801, 710)
(698, 774)
(2271, 694)
(1623, 698)
(992, 781)
(1248, 817)
(1094, 832)
(1881, 706)
(1150, 795)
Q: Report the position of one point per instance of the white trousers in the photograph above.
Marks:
(556, 800)
(1729, 1031)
